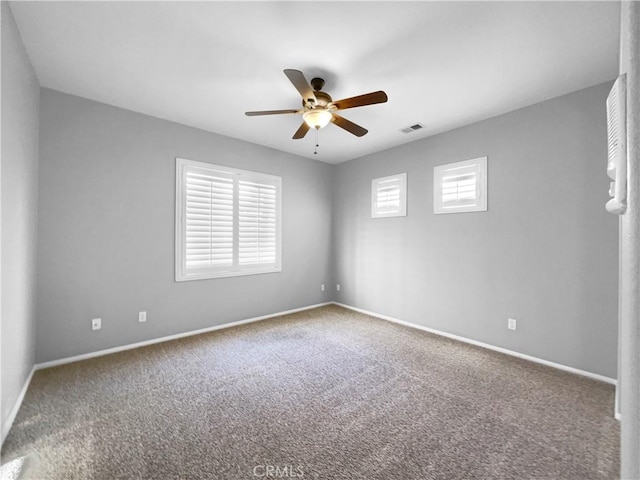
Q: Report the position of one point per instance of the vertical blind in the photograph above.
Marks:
(227, 221)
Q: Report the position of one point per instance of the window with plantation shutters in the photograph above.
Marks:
(460, 187)
(389, 196)
(227, 221)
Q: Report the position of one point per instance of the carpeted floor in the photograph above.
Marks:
(322, 394)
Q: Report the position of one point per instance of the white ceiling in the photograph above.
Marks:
(443, 64)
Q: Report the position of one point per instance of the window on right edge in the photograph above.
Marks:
(460, 187)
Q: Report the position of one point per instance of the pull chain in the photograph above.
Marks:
(315, 152)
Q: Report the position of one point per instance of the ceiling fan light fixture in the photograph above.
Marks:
(318, 108)
(317, 118)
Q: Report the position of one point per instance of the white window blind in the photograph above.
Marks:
(227, 221)
(209, 220)
(389, 196)
(460, 187)
(257, 223)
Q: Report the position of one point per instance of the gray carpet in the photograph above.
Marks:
(322, 394)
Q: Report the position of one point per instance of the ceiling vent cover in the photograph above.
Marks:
(412, 128)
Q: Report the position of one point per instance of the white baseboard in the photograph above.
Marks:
(530, 358)
(6, 427)
(8, 423)
(99, 353)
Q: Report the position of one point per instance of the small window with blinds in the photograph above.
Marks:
(389, 196)
(460, 187)
(227, 221)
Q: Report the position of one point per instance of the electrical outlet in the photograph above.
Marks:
(338, 287)
(511, 324)
(96, 324)
(142, 316)
(322, 287)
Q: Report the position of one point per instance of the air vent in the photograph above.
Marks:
(412, 128)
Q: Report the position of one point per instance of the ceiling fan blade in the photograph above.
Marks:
(269, 112)
(361, 100)
(297, 78)
(301, 132)
(348, 125)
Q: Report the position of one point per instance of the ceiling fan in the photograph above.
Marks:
(318, 109)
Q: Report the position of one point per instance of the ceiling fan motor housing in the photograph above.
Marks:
(317, 83)
(322, 100)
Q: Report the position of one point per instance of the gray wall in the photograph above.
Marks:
(20, 103)
(545, 252)
(106, 230)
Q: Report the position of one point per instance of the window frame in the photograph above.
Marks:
(480, 165)
(183, 274)
(402, 209)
